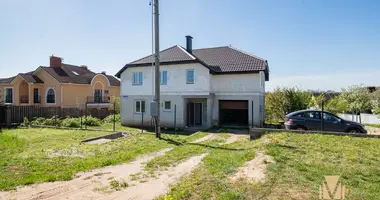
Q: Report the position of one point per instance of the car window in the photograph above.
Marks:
(330, 118)
(298, 115)
(312, 115)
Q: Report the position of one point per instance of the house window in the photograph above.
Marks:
(50, 96)
(164, 77)
(139, 106)
(137, 78)
(190, 76)
(8, 95)
(98, 96)
(106, 92)
(167, 105)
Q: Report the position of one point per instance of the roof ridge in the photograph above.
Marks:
(210, 48)
(241, 51)
(189, 54)
(152, 54)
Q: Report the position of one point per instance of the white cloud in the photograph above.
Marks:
(331, 81)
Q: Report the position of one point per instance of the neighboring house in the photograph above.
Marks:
(60, 85)
(209, 87)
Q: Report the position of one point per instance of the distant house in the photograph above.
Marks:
(59, 85)
(220, 86)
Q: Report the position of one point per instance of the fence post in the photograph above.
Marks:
(322, 116)
(8, 116)
(175, 119)
(81, 116)
(114, 115)
(142, 122)
(85, 117)
(252, 114)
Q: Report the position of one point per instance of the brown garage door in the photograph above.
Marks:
(233, 112)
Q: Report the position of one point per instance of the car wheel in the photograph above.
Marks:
(300, 128)
(354, 130)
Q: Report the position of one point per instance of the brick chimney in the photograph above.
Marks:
(55, 61)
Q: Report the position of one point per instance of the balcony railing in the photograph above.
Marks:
(24, 99)
(37, 99)
(98, 99)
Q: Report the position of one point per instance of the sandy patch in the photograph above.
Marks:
(373, 130)
(155, 187)
(85, 185)
(255, 169)
(232, 139)
(99, 141)
(207, 137)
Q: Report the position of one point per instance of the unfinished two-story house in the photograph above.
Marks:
(221, 86)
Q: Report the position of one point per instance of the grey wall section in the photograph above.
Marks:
(130, 118)
(210, 109)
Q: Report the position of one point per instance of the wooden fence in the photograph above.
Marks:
(19, 112)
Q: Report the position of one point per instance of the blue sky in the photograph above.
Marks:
(310, 44)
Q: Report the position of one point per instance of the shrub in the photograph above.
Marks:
(110, 118)
(38, 121)
(91, 121)
(25, 122)
(54, 121)
(71, 122)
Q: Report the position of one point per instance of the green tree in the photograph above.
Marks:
(316, 101)
(283, 101)
(336, 105)
(357, 97)
(375, 102)
(115, 101)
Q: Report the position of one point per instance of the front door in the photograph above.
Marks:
(194, 114)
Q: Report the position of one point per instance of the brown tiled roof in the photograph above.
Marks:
(218, 60)
(172, 54)
(31, 78)
(227, 59)
(7, 80)
(75, 74)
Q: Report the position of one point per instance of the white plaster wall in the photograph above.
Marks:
(176, 81)
(236, 84)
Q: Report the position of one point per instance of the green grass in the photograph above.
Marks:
(301, 162)
(373, 125)
(40, 155)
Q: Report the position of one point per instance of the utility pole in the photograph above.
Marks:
(157, 66)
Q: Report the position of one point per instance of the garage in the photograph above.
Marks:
(233, 112)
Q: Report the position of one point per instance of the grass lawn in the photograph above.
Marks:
(373, 125)
(300, 162)
(39, 155)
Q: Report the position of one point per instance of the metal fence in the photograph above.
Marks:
(16, 114)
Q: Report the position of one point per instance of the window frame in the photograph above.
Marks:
(187, 76)
(338, 120)
(55, 96)
(5, 95)
(315, 112)
(164, 106)
(139, 80)
(162, 76)
(135, 106)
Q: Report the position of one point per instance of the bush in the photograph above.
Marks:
(54, 121)
(38, 121)
(25, 122)
(71, 122)
(91, 121)
(109, 118)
